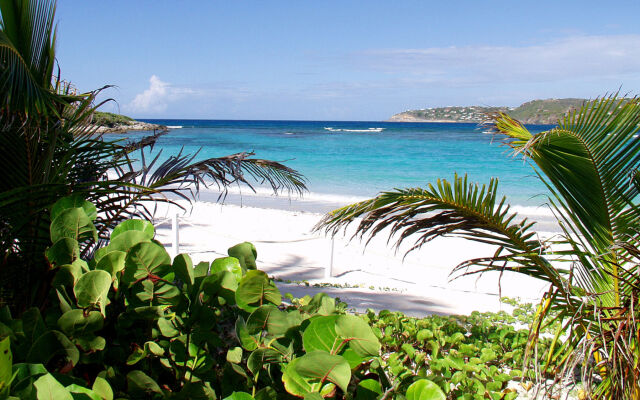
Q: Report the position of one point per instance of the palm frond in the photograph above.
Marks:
(588, 163)
(588, 159)
(179, 176)
(27, 55)
(460, 209)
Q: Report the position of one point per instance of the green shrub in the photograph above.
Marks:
(130, 322)
(133, 323)
(109, 119)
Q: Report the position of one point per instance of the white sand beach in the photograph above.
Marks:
(375, 276)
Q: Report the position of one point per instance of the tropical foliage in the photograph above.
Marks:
(589, 164)
(131, 322)
(50, 150)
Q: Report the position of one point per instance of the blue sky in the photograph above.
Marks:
(343, 60)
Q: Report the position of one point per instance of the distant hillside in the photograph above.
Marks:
(532, 112)
(116, 123)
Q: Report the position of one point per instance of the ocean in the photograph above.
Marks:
(349, 161)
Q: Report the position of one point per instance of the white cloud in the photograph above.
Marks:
(578, 57)
(157, 97)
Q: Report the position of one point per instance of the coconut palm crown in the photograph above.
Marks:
(50, 151)
(589, 164)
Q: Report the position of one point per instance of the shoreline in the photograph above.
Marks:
(322, 203)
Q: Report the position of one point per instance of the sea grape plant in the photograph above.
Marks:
(131, 322)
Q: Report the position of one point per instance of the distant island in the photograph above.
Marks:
(532, 112)
(115, 123)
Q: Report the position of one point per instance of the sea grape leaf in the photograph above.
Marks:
(201, 269)
(230, 264)
(358, 334)
(73, 223)
(167, 328)
(246, 254)
(157, 292)
(149, 312)
(234, 355)
(91, 343)
(64, 251)
(82, 393)
(266, 393)
(424, 334)
(76, 323)
(75, 201)
(196, 391)
(321, 334)
(223, 283)
(48, 388)
(321, 304)
(6, 365)
(139, 383)
(138, 354)
(140, 225)
(346, 335)
(256, 289)
(368, 389)
(102, 388)
(239, 396)
(309, 373)
(53, 344)
(145, 260)
(99, 253)
(247, 340)
(126, 240)
(260, 357)
(183, 268)
(259, 319)
(424, 389)
(153, 348)
(112, 262)
(25, 375)
(32, 324)
(92, 288)
(277, 323)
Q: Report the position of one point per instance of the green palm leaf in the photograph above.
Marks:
(27, 43)
(589, 164)
(459, 209)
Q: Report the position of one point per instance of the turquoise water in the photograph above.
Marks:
(350, 164)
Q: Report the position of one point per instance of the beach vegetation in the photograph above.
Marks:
(109, 119)
(589, 164)
(547, 111)
(131, 322)
(51, 150)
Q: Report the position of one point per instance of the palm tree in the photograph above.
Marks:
(51, 151)
(589, 164)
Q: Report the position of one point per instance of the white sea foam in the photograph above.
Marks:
(261, 191)
(344, 199)
(368, 130)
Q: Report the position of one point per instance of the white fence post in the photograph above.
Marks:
(329, 271)
(175, 228)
